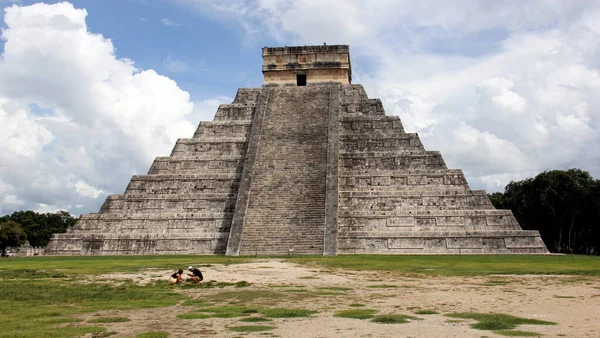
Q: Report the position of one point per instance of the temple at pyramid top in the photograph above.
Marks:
(302, 65)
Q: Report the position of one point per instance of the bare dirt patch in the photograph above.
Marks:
(570, 301)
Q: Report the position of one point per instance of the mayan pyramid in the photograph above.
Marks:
(305, 164)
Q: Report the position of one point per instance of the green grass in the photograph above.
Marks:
(96, 265)
(193, 315)
(335, 288)
(286, 313)
(356, 313)
(197, 303)
(382, 286)
(496, 283)
(32, 307)
(245, 297)
(426, 312)
(465, 265)
(356, 305)
(497, 321)
(254, 319)
(392, 319)
(250, 328)
(38, 293)
(153, 334)
(109, 320)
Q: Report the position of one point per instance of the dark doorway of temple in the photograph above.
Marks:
(301, 79)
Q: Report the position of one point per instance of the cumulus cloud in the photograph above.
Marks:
(504, 89)
(76, 121)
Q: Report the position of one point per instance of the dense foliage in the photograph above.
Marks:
(40, 227)
(11, 235)
(564, 205)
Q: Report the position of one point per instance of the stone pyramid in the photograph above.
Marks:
(306, 164)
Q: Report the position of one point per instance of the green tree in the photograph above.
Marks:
(563, 205)
(11, 235)
(40, 227)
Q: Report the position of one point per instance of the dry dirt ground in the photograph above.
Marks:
(573, 302)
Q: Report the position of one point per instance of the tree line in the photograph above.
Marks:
(31, 226)
(563, 205)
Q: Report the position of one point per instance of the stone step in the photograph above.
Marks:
(364, 107)
(186, 177)
(247, 96)
(130, 207)
(440, 242)
(199, 165)
(155, 224)
(164, 216)
(423, 213)
(389, 154)
(414, 202)
(170, 184)
(233, 146)
(428, 222)
(366, 163)
(441, 179)
(353, 94)
(235, 111)
(378, 143)
(239, 128)
(409, 194)
(139, 244)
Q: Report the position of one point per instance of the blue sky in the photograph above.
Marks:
(91, 91)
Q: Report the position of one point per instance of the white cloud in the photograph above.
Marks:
(169, 23)
(76, 121)
(504, 89)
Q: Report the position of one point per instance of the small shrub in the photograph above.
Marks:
(382, 286)
(254, 319)
(497, 321)
(426, 312)
(392, 319)
(286, 313)
(193, 315)
(250, 328)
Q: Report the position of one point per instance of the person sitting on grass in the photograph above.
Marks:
(177, 277)
(195, 275)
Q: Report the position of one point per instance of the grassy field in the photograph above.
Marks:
(466, 265)
(43, 296)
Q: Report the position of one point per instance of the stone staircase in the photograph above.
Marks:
(286, 209)
(396, 197)
(184, 204)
